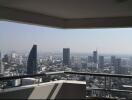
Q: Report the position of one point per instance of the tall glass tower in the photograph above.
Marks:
(95, 55)
(66, 56)
(32, 61)
(101, 62)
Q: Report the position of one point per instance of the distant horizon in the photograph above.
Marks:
(20, 37)
(71, 53)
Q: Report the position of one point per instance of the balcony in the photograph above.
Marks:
(61, 89)
(67, 14)
(64, 89)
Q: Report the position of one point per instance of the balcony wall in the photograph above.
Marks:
(51, 90)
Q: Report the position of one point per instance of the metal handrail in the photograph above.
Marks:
(27, 76)
(100, 74)
(74, 73)
(66, 72)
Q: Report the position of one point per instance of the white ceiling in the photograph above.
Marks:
(72, 9)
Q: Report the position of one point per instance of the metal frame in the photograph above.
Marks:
(66, 72)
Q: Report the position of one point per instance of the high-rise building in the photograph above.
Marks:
(90, 59)
(1, 65)
(95, 56)
(118, 68)
(66, 56)
(32, 61)
(13, 57)
(113, 58)
(0, 62)
(101, 62)
(6, 58)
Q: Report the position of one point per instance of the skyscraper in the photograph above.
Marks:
(113, 58)
(1, 65)
(95, 54)
(66, 56)
(0, 62)
(32, 61)
(118, 68)
(90, 59)
(6, 58)
(101, 62)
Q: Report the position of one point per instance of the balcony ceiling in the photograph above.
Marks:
(69, 13)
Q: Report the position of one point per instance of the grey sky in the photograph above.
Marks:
(21, 37)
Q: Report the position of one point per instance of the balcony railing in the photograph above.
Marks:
(105, 91)
(66, 72)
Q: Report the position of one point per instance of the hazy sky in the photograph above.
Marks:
(21, 37)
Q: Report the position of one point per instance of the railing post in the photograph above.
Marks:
(105, 86)
(109, 86)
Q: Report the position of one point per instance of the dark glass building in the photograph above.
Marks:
(101, 62)
(32, 61)
(6, 58)
(0, 63)
(66, 56)
(95, 56)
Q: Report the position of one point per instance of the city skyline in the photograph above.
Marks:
(20, 37)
